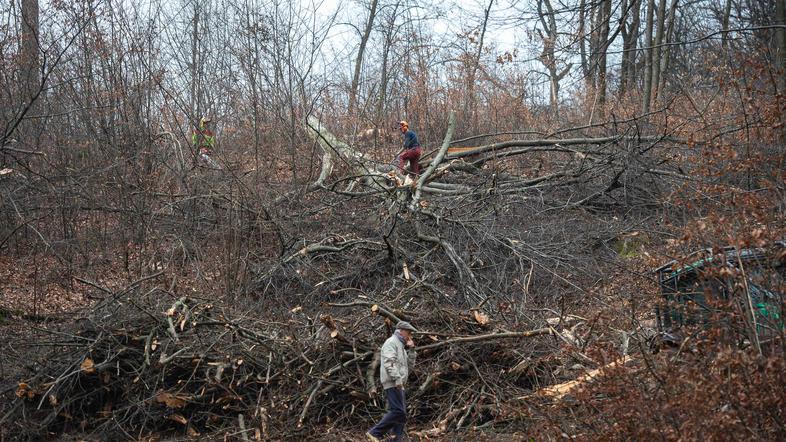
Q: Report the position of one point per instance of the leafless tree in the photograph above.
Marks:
(548, 56)
(364, 38)
(630, 38)
(780, 34)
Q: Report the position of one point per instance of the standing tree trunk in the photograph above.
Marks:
(585, 71)
(594, 38)
(648, 56)
(603, 45)
(384, 79)
(353, 92)
(666, 53)
(630, 37)
(725, 23)
(780, 36)
(390, 34)
(30, 61)
(472, 70)
(194, 107)
(658, 50)
(548, 57)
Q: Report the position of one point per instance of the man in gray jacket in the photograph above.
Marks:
(394, 368)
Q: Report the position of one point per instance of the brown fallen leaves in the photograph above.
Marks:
(24, 390)
(88, 366)
(480, 317)
(171, 400)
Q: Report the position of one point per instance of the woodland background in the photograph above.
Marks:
(144, 295)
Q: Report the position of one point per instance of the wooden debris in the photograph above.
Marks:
(559, 391)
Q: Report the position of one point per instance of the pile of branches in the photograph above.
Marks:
(478, 258)
(154, 362)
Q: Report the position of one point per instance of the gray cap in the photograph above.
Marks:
(404, 325)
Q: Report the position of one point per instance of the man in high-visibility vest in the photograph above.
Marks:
(203, 140)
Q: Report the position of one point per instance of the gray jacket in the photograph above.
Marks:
(395, 363)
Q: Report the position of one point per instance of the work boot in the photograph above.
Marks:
(372, 438)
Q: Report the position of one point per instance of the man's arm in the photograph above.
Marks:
(411, 353)
(411, 356)
(403, 146)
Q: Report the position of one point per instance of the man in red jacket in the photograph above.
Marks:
(410, 150)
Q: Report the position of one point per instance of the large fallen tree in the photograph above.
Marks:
(467, 215)
(618, 158)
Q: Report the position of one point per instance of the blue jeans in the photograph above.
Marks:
(396, 417)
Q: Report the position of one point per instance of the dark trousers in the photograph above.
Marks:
(413, 155)
(396, 417)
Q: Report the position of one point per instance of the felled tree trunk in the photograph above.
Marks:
(332, 147)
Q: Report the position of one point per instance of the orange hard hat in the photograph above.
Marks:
(403, 123)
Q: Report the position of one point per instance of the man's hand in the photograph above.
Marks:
(410, 343)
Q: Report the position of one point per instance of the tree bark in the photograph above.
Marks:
(725, 23)
(30, 76)
(436, 161)
(666, 52)
(488, 337)
(548, 56)
(194, 104)
(658, 50)
(469, 101)
(605, 14)
(630, 36)
(585, 71)
(31, 63)
(648, 57)
(780, 37)
(556, 144)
